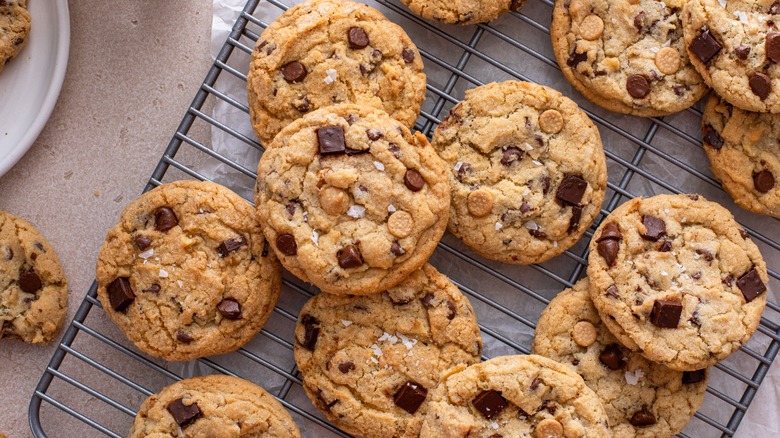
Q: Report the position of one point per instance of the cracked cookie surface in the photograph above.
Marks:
(627, 57)
(527, 171)
(351, 200)
(213, 406)
(526, 395)
(14, 29)
(744, 153)
(676, 278)
(325, 52)
(462, 11)
(187, 273)
(369, 362)
(642, 399)
(33, 288)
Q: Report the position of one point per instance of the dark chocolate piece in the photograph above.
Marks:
(705, 46)
(760, 84)
(231, 245)
(711, 137)
(571, 190)
(697, 376)
(358, 38)
(349, 257)
(612, 357)
(346, 367)
(286, 244)
(610, 231)
(490, 403)
(30, 282)
(142, 242)
(294, 72)
(413, 180)
(511, 154)
(642, 418)
(656, 228)
(638, 86)
(184, 415)
(229, 308)
(311, 331)
(408, 56)
(772, 46)
(331, 140)
(120, 294)
(764, 181)
(751, 285)
(608, 249)
(184, 337)
(410, 396)
(666, 313)
(165, 219)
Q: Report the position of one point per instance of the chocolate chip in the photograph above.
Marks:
(743, 233)
(286, 244)
(642, 418)
(413, 180)
(427, 300)
(763, 181)
(612, 291)
(576, 58)
(294, 72)
(264, 253)
(408, 56)
(571, 190)
(705, 46)
(304, 105)
(464, 169)
(260, 45)
(229, 308)
(120, 294)
(775, 8)
(695, 319)
(490, 403)
(357, 37)
(511, 154)
(539, 234)
(395, 149)
(534, 384)
(693, 197)
(666, 313)
(576, 215)
(374, 134)
(349, 257)
(410, 396)
(396, 249)
(706, 254)
(696, 275)
(516, 5)
(638, 86)
(311, 331)
(346, 367)
(545, 184)
(549, 406)
(612, 357)
(164, 219)
(751, 285)
(451, 310)
(772, 46)
(39, 245)
(9, 253)
(639, 21)
(231, 245)
(331, 140)
(184, 337)
(142, 242)
(742, 51)
(608, 249)
(153, 289)
(711, 137)
(655, 228)
(184, 415)
(760, 84)
(29, 282)
(728, 280)
(693, 376)
(666, 246)
(290, 207)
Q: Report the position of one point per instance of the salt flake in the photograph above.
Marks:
(146, 254)
(458, 165)
(536, 162)
(528, 147)
(632, 378)
(391, 208)
(315, 237)
(379, 166)
(356, 211)
(531, 225)
(346, 323)
(499, 225)
(331, 77)
(163, 273)
(180, 283)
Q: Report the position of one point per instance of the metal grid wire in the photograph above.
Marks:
(97, 361)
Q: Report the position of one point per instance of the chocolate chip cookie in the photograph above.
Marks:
(213, 406)
(641, 398)
(14, 28)
(628, 57)
(735, 46)
(462, 11)
(369, 362)
(677, 279)
(527, 395)
(527, 171)
(325, 52)
(744, 152)
(351, 200)
(186, 273)
(33, 288)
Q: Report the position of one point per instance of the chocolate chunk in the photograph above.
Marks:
(772, 46)
(696, 275)
(516, 5)
(29, 282)
(408, 56)
(331, 140)
(9, 253)
(576, 58)
(184, 337)
(396, 250)
(666, 313)
(120, 294)
(761, 85)
(464, 169)
(639, 21)
(608, 249)
(427, 300)
(775, 8)
(742, 51)
(511, 154)
(728, 280)
(229, 308)
(534, 384)
(706, 254)
(349, 257)
(410, 396)
(357, 37)
(231, 245)
(666, 246)
(290, 207)
(612, 357)
(490, 403)
(743, 233)
(695, 319)
(705, 46)
(392, 147)
(612, 291)
(184, 415)
(346, 367)
(451, 310)
(311, 331)
(571, 190)
(539, 234)
(656, 228)
(164, 219)
(294, 72)
(693, 197)
(549, 406)
(642, 418)
(264, 253)
(374, 134)
(153, 289)
(576, 215)
(545, 184)
(304, 105)
(751, 285)
(764, 181)
(638, 86)
(142, 242)
(711, 137)
(286, 244)
(693, 376)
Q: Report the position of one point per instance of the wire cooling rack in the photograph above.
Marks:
(645, 157)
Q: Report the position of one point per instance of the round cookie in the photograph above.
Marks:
(368, 362)
(14, 29)
(462, 12)
(33, 288)
(641, 398)
(628, 57)
(325, 52)
(351, 200)
(676, 278)
(744, 153)
(735, 47)
(186, 273)
(213, 406)
(527, 171)
(528, 396)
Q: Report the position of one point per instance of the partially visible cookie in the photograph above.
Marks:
(676, 278)
(14, 28)
(527, 171)
(641, 398)
(369, 362)
(528, 396)
(213, 406)
(744, 152)
(325, 52)
(351, 200)
(33, 288)
(187, 273)
(462, 11)
(628, 56)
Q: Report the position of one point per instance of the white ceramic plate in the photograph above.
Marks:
(31, 82)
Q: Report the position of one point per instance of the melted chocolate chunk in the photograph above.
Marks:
(229, 308)
(742, 51)
(304, 105)
(608, 249)
(576, 215)
(612, 357)
(346, 367)
(706, 254)
(612, 291)
(120, 294)
(666, 246)
(511, 154)
(184, 337)
(639, 21)
(396, 249)
(408, 56)
(610, 231)
(772, 46)
(331, 140)
(294, 72)
(142, 242)
(410, 396)
(571, 190)
(286, 244)
(705, 46)
(374, 134)
(165, 219)
(311, 331)
(697, 376)
(349, 257)
(760, 84)
(231, 245)
(539, 234)
(30, 282)
(711, 137)
(184, 415)
(763, 181)
(427, 300)
(642, 418)
(451, 310)
(666, 313)
(153, 289)
(576, 58)
(656, 228)
(413, 180)
(489, 403)
(638, 86)
(751, 285)
(358, 38)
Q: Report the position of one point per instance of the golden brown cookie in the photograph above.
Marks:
(14, 29)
